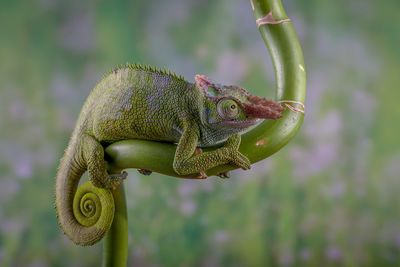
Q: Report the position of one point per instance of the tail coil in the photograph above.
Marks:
(85, 213)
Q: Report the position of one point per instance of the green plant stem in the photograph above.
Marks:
(115, 248)
(262, 141)
(258, 144)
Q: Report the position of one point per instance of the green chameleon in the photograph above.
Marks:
(140, 102)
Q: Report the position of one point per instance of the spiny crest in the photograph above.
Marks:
(147, 68)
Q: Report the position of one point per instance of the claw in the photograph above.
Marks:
(224, 175)
(241, 161)
(202, 175)
(144, 172)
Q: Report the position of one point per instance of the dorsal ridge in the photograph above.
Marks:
(147, 68)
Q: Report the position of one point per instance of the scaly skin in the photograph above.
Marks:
(138, 102)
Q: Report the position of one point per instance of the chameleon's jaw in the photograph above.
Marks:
(241, 124)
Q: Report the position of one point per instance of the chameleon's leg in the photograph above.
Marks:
(185, 162)
(202, 175)
(144, 172)
(222, 175)
(235, 157)
(93, 153)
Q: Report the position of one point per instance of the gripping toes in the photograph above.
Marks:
(241, 160)
(224, 175)
(145, 172)
(114, 180)
(237, 158)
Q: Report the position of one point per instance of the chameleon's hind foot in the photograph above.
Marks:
(115, 180)
(144, 172)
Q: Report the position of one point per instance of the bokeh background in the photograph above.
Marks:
(329, 198)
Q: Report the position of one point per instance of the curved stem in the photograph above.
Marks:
(264, 140)
(115, 246)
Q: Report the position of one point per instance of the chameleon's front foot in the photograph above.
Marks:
(199, 162)
(234, 156)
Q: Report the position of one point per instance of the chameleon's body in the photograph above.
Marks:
(137, 102)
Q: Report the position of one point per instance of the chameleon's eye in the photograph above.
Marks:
(228, 108)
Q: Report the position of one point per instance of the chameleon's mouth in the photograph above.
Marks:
(242, 123)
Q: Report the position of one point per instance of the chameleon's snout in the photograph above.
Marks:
(259, 107)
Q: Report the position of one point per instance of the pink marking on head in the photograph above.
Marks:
(202, 81)
(259, 107)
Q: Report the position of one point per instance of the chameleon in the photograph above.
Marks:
(139, 102)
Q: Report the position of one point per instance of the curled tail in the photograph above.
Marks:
(85, 213)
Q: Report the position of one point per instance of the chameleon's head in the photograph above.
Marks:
(233, 107)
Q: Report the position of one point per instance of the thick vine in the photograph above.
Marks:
(267, 138)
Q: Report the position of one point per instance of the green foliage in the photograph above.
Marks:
(330, 198)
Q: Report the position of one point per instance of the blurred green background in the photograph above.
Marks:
(329, 198)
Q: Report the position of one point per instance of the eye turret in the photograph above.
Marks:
(227, 109)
